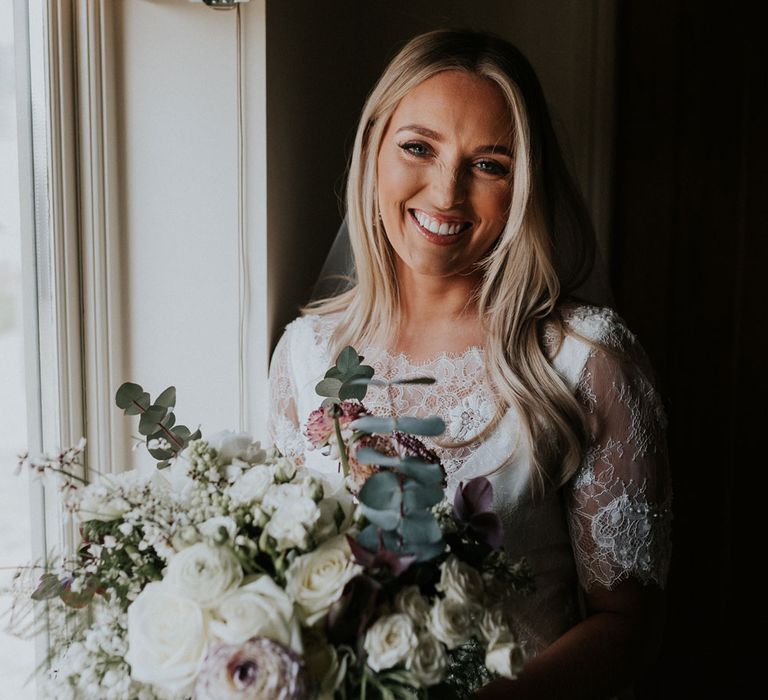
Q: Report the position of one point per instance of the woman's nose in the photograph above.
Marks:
(449, 187)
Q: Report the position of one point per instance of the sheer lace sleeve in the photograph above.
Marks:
(283, 423)
(620, 499)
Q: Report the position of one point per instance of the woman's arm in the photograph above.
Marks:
(600, 656)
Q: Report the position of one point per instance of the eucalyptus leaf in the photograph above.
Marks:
(196, 435)
(127, 393)
(385, 519)
(373, 424)
(333, 373)
(424, 472)
(347, 360)
(368, 381)
(150, 419)
(414, 380)
(368, 538)
(381, 492)
(140, 405)
(418, 496)
(367, 455)
(425, 551)
(181, 432)
(421, 426)
(169, 420)
(349, 390)
(420, 527)
(167, 398)
(48, 587)
(162, 454)
(328, 387)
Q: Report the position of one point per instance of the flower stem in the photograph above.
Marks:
(342, 447)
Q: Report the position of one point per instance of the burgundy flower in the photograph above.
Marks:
(320, 429)
(472, 507)
(259, 669)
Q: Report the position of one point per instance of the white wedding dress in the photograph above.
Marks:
(610, 522)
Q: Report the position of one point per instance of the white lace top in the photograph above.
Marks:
(612, 521)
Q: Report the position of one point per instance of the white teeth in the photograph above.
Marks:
(434, 226)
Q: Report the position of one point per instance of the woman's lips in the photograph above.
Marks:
(440, 231)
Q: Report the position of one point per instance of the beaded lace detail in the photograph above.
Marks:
(618, 504)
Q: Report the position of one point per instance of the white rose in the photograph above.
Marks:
(204, 573)
(178, 475)
(460, 581)
(167, 638)
(452, 622)
(390, 641)
(506, 659)
(410, 601)
(428, 661)
(212, 528)
(251, 486)
(285, 469)
(259, 609)
(316, 580)
(289, 525)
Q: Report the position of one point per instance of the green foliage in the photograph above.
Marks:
(157, 421)
(342, 381)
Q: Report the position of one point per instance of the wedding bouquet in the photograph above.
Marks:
(231, 573)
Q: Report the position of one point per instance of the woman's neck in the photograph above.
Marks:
(437, 315)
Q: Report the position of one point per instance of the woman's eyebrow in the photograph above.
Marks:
(421, 130)
(430, 134)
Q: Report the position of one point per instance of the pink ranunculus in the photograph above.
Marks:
(259, 669)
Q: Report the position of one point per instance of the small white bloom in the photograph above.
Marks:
(316, 580)
(166, 638)
(428, 662)
(204, 573)
(506, 659)
(290, 524)
(285, 469)
(230, 446)
(494, 627)
(258, 609)
(213, 526)
(390, 641)
(251, 486)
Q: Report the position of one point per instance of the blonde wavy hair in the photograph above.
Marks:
(523, 279)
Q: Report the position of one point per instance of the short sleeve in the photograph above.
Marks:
(283, 423)
(620, 499)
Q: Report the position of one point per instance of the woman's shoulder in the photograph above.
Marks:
(597, 324)
(312, 328)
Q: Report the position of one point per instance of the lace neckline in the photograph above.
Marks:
(403, 359)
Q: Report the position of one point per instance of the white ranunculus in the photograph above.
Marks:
(460, 581)
(285, 469)
(428, 662)
(506, 659)
(177, 474)
(390, 641)
(316, 580)
(204, 573)
(251, 486)
(290, 524)
(230, 446)
(452, 622)
(410, 601)
(167, 637)
(212, 528)
(258, 609)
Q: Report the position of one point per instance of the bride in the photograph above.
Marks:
(470, 241)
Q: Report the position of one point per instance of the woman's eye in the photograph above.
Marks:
(415, 148)
(491, 167)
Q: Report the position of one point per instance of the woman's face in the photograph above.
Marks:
(443, 173)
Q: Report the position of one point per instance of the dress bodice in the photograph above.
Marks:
(611, 521)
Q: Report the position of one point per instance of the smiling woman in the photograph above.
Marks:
(470, 241)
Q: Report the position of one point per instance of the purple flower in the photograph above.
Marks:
(472, 507)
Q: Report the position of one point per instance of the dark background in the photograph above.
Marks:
(688, 270)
